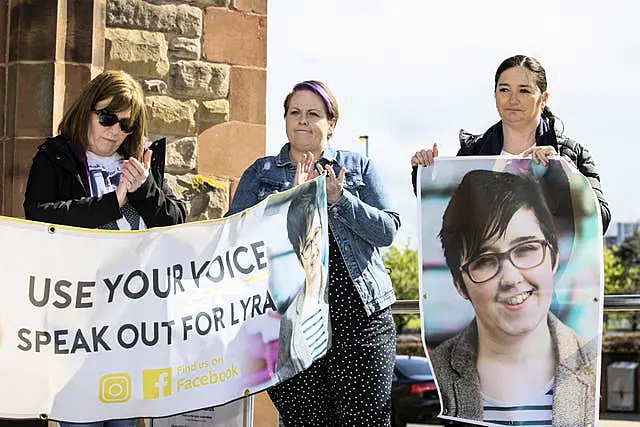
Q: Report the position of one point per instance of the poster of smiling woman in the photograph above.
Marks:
(511, 290)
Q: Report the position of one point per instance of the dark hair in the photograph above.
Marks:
(302, 209)
(330, 102)
(482, 207)
(532, 65)
(125, 93)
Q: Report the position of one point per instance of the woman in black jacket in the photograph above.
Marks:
(527, 127)
(97, 172)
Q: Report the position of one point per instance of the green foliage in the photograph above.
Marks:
(619, 278)
(404, 269)
(629, 250)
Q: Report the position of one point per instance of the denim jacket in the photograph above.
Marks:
(361, 220)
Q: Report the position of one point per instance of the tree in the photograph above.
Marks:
(403, 268)
(629, 250)
(620, 277)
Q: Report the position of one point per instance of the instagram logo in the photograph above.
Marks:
(156, 383)
(115, 388)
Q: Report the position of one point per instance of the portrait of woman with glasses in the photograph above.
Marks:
(515, 363)
(97, 173)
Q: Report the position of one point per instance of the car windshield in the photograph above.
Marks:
(409, 367)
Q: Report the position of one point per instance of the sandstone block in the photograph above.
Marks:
(236, 38)
(154, 86)
(255, 6)
(245, 140)
(214, 112)
(141, 53)
(181, 155)
(200, 3)
(184, 48)
(205, 197)
(199, 79)
(171, 116)
(248, 95)
(183, 19)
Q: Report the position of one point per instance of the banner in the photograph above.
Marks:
(100, 325)
(512, 290)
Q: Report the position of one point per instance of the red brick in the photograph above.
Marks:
(76, 78)
(235, 37)
(3, 73)
(248, 95)
(85, 24)
(32, 35)
(4, 143)
(18, 154)
(4, 31)
(227, 149)
(30, 100)
(24, 150)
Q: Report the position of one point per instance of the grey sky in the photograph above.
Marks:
(414, 72)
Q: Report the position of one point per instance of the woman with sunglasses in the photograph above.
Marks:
(97, 172)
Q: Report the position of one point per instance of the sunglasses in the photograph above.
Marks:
(107, 119)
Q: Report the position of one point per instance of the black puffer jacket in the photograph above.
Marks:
(58, 190)
(491, 142)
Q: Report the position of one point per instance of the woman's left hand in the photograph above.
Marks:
(540, 154)
(334, 183)
(136, 173)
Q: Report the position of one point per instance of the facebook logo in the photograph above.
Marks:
(156, 383)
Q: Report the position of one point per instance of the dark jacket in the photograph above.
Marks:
(491, 142)
(574, 390)
(58, 190)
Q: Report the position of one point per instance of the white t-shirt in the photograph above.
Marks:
(506, 153)
(104, 177)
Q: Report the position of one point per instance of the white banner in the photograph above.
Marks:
(100, 325)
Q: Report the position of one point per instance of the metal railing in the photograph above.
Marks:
(611, 303)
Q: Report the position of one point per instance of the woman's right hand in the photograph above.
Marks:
(304, 169)
(121, 192)
(425, 157)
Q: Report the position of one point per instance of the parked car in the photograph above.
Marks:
(414, 396)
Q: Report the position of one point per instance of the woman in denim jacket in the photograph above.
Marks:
(351, 385)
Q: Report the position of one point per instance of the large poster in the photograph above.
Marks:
(511, 290)
(100, 325)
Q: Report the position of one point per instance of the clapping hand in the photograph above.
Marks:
(134, 174)
(304, 169)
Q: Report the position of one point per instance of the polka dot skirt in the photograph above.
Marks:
(351, 385)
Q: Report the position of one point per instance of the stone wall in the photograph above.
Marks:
(202, 65)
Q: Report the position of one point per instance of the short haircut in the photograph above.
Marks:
(302, 209)
(328, 99)
(125, 93)
(482, 207)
